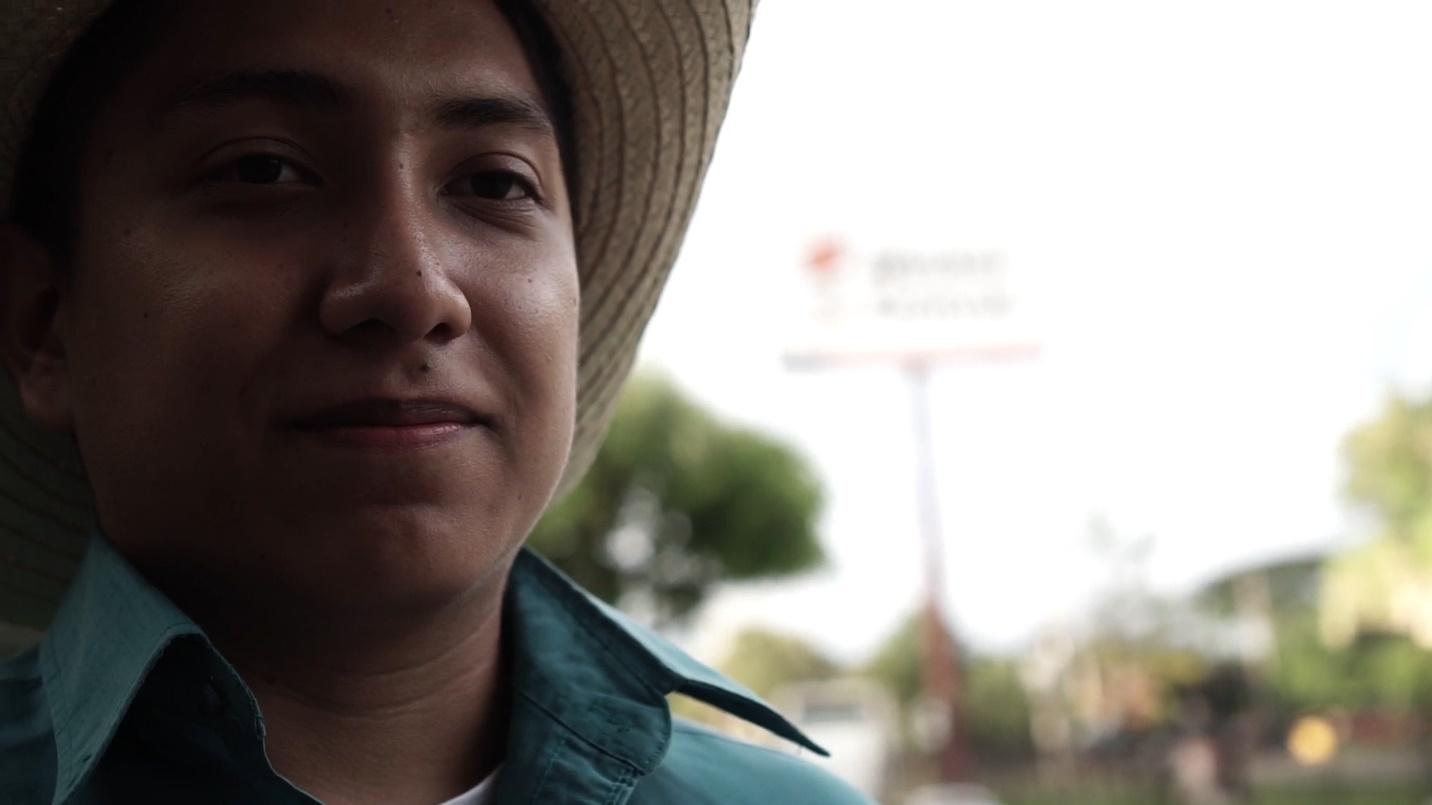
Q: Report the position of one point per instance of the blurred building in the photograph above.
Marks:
(1242, 610)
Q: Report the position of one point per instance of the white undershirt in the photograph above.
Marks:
(481, 794)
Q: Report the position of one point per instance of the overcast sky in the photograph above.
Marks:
(1217, 215)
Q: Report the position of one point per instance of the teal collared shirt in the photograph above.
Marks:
(125, 700)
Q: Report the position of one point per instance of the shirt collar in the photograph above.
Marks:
(107, 635)
(577, 660)
(590, 649)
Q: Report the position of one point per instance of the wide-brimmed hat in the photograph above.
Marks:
(649, 82)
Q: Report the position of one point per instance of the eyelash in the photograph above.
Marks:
(229, 173)
(527, 186)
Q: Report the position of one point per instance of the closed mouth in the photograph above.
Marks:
(389, 413)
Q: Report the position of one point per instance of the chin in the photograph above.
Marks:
(404, 561)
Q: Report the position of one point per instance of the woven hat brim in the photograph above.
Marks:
(649, 80)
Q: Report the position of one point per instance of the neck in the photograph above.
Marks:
(415, 714)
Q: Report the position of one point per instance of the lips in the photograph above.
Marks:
(388, 413)
(383, 426)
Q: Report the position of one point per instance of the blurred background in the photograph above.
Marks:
(1041, 407)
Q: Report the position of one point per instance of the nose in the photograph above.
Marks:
(389, 279)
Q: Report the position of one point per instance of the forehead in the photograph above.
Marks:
(389, 50)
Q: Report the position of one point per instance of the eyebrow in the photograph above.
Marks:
(296, 88)
(468, 113)
(302, 89)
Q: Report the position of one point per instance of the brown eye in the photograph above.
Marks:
(498, 186)
(262, 169)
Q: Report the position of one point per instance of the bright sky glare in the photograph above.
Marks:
(1220, 212)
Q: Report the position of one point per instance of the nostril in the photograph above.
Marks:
(375, 326)
(396, 299)
(370, 333)
(442, 331)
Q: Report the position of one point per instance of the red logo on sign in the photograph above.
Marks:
(825, 257)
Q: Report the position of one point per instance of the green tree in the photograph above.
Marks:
(677, 501)
(1389, 474)
(1375, 671)
(897, 662)
(996, 708)
(764, 661)
(1389, 462)
(1363, 647)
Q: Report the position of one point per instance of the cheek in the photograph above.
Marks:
(164, 340)
(541, 311)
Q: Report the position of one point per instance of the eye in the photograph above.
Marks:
(261, 169)
(496, 185)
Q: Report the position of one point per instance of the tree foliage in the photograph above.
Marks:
(677, 501)
(995, 705)
(1386, 583)
(1374, 672)
(764, 661)
(1389, 462)
(1359, 648)
(997, 708)
(896, 664)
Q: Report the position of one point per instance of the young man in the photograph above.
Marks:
(310, 309)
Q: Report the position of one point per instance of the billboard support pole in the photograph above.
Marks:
(899, 299)
(941, 674)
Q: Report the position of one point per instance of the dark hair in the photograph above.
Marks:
(44, 201)
(545, 58)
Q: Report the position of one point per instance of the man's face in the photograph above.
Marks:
(321, 334)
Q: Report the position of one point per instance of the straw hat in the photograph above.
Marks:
(649, 83)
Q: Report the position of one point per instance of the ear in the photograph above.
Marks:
(31, 345)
